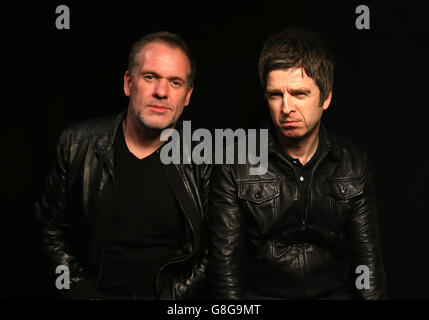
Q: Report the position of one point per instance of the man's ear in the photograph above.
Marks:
(127, 83)
(327, 101)
(188, 96)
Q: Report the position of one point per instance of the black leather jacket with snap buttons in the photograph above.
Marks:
(265, 242)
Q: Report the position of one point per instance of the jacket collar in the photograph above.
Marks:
(330, 143)
(105, 141)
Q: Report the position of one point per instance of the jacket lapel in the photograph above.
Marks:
(181, 189)
(105, 151)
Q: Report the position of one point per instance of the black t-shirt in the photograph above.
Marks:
(146, 227)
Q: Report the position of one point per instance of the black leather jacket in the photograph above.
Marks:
(264, 243)
(73, 213)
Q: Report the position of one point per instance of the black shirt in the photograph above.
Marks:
(304, 171)
(146, 225)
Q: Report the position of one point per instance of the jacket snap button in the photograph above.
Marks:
(258, 195)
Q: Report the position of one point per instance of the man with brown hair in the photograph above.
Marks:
(123, 224)
(302, 229)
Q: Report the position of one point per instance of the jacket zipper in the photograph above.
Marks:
(305, 216)
(304, 264)
(177, 260)
(192, 230)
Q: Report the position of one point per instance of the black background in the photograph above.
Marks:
(56, 77)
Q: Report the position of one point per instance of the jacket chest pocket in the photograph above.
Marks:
(342, 193)
(259, 201)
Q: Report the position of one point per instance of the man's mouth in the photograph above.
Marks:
(158, 108)
(289, 123)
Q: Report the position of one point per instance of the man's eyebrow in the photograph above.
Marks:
(269, 90)
(157, 75)
(300, 90)
(294, 90)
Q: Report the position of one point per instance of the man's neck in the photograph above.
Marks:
(140, 140)
(302, 149)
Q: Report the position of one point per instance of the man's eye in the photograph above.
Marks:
(273, 95)
(176, 83)
(149, 76)
(301, 94)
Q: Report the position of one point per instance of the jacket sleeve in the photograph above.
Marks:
(226, 250)
(364, 238)
(54, 229)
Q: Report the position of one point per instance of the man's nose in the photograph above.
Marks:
(287, 106)
(161, 89)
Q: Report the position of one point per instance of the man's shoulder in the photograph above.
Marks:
(350, 152)
(89, 128)
(349, 145)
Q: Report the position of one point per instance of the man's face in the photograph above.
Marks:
(293, 99)
(159, 88)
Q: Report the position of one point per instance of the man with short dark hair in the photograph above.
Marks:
(302, 229)
(125, 225)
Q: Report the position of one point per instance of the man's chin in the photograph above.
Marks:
(156, 125)
(291, 133)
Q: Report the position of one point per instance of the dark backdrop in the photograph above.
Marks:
(56, 77)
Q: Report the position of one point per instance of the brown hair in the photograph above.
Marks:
(298, 48)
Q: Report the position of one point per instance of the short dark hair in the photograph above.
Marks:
(298, 48)
(171, 39)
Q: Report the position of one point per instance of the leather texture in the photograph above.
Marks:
(266, 242)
